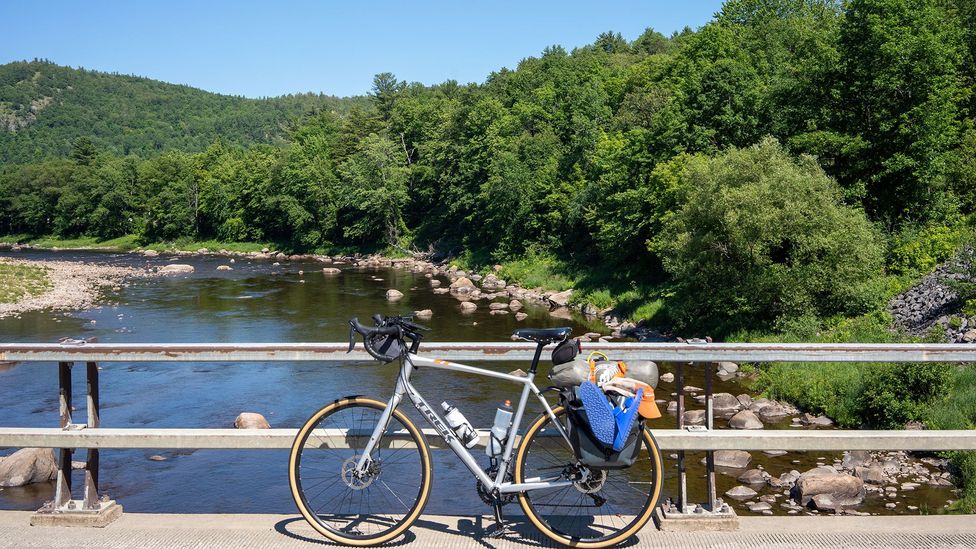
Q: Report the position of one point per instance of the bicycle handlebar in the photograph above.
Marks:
(386, 327)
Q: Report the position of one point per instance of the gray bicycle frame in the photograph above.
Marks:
(403, 387)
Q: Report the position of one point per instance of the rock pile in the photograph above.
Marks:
(933, 302)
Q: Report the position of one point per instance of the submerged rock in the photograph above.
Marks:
(741, 492)
(394, 295)
(176, 268)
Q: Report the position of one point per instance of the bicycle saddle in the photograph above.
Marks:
(543, 335)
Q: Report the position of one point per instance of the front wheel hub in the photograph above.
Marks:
(355, 479)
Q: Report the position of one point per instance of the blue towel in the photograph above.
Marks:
(610, 425)
(599, 412)
(624, 419)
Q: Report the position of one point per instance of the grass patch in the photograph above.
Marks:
(123, 243)
(189, 245)
(19, 281)
(538, 271)
(958, 411)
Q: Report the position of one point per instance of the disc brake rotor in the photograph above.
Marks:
(595, 479)
(358, 481)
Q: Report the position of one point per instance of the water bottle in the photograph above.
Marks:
(499, 430)
(462, 427)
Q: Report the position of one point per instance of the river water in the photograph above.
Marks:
(262, 302)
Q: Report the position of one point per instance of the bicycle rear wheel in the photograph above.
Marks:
(608, 508)
(359, 509)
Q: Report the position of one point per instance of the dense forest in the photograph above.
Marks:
(783, 161)
(44, 107)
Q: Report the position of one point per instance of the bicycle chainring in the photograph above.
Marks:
(492, 498)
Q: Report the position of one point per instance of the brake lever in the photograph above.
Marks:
(352, 339)
(414, 326)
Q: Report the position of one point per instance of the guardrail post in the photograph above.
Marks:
(91, 464)
(62, 510)
(62, 492)
(710, 424)
(682, 473)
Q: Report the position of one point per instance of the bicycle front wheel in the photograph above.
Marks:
(609, 507)
(349, 505)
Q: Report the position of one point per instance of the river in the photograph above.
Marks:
(259, 301)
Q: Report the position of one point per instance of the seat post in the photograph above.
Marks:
(535, 359)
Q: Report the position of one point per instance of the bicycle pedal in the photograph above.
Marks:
(500, 530)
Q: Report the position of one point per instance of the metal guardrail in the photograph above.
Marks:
(93, 437)
(488, 351)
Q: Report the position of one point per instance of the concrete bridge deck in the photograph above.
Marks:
(145, 531)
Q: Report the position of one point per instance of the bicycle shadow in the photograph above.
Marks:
(476, 529)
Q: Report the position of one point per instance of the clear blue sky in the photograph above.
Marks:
(276, 47)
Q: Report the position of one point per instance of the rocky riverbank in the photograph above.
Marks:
(74, 285)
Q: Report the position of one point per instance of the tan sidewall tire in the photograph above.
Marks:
(293, 481)
(652, 449)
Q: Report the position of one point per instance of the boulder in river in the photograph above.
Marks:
(394, 295)
(424, 314)
(176, 268)
(753, 476)
(694, 417)
(870, 475)
(855, 458)
(28, 466)
(733, 459)
(497, 306)
(468, 307)
(727, 367)
(773, 412)
(224, 268)
(331, 271)
(463, 285)
(560, 299)
(251, 420)
(745, 420)
(514, 304)
(434, 283)
(492, 282)
(150, 253)
(831, 489)
(725, 404)
(521, 316)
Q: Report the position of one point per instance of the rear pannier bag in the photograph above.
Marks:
(588, 449)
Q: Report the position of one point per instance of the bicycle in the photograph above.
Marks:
(360, 469)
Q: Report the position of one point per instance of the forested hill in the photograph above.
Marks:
(44, 107)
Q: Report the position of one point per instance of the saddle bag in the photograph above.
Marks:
(588, 448)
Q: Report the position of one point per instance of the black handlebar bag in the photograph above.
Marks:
(386, 348)
(588, 449)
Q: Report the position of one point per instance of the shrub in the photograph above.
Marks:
(915, 252)
(762, 237)
(894, 394)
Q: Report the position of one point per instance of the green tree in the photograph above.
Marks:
(902, 90)
(762, 237)
(375, 193)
